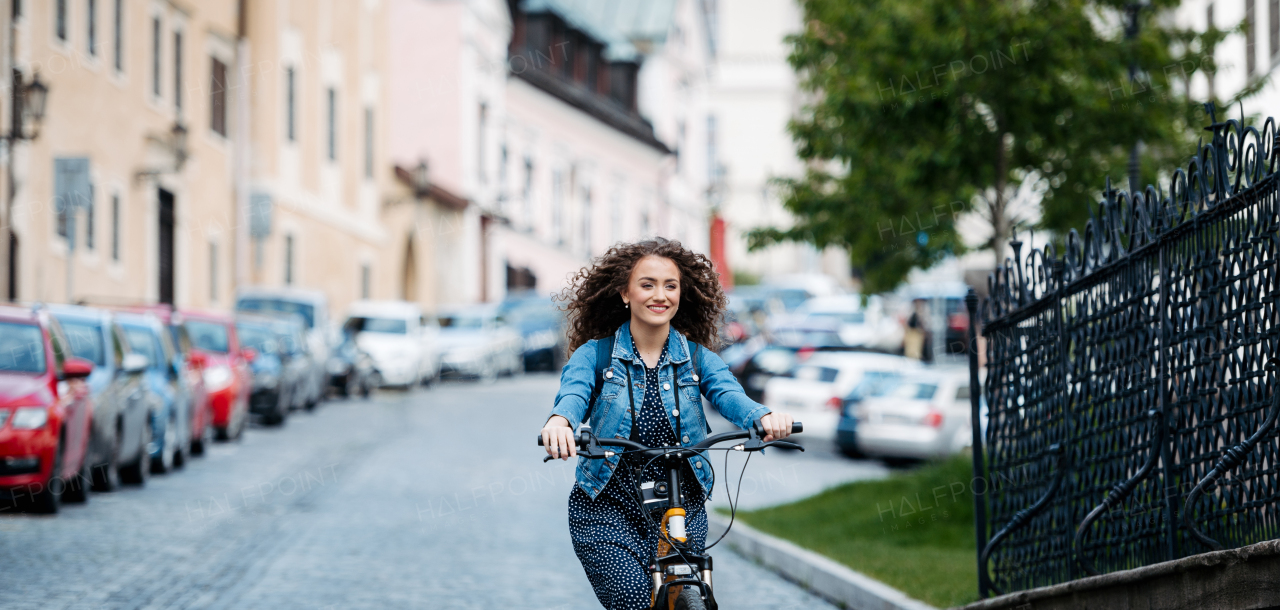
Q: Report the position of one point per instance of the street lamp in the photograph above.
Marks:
(32, 97)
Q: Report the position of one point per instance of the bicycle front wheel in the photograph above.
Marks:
(690, 599)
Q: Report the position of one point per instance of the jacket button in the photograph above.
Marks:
(686, 438)
(675, 412)
(666, 386)
(697, 463)
(608, 374)
(695, 377)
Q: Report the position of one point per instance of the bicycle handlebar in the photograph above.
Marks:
(586, 441)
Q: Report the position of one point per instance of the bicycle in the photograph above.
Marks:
(681, 577)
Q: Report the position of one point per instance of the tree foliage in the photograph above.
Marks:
(920, 111)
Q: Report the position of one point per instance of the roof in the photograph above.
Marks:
(78, 311)
(17, 313)
(398, 308)
(620, 25)
(302, 295)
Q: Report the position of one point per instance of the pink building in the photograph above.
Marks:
(532, 111)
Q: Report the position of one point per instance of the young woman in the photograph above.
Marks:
(660, 303)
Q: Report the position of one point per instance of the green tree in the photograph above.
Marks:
(925, 109)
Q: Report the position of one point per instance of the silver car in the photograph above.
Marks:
(920, 416)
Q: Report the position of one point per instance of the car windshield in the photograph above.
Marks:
(260, 338)
(461, 322)
(391, 326)
(208, 336)
(823, 374)
(142, 341)
(308, 312)
(874, 383)
(86, 340)
(912, 390)
(21, 348)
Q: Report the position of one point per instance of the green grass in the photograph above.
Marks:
(912, 531)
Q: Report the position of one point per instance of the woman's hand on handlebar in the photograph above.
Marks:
(558, 439)
(776, 425)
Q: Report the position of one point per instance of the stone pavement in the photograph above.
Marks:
(434, 498)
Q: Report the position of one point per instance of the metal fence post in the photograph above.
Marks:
(979, 468)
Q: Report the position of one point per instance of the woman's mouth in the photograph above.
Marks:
(659, 309)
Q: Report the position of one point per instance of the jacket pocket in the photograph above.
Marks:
(691, 396)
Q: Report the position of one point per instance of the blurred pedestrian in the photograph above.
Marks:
(916, 342)
(652, 309)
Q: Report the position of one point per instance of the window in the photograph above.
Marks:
(368, 143)
(155, 56)
(115, 227)
(366, 277)
(118, 39)
(213, 272)
(60, 19)
(331, 117)
(17, 9)
(480, 137)
(90, 227)
(218, 98)
(177, 71)
(290, 102)
(288, 260)
(1250, 38)
(91, 22)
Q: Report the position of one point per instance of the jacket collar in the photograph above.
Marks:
(677, 345)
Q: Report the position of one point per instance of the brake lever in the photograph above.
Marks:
(784, 444)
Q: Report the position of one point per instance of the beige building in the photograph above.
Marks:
(131, 175)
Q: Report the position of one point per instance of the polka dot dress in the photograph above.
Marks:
(611, 536)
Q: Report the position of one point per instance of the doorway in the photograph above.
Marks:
(166, 246)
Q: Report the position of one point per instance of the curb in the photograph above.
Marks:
(823, 577)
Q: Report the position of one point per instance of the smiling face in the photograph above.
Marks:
(653, 293)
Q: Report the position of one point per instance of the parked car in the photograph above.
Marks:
(226, 374)
(46, 410)
(542, 330)
(756, 361)
(917, 416)
(122, 402)
(477, 342)
(947, 300)
(191, 370)
(352, 370)
(279, 377)
(171, 413)
(815, 390)
(874, 383)
(403, 342)
(313, 307)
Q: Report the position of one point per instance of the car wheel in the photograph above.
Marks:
(77, 489)
(48, 498)
(199, 443)
(106, 477)
(489, 373)
(164, 462)
(139, 470)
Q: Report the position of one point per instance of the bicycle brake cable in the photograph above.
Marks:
(733, 509)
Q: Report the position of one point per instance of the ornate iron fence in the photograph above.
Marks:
(1132, 411)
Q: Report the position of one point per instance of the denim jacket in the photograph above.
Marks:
(611, 417)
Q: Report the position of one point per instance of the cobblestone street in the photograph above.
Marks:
(436, 498)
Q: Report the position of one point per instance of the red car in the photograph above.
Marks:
(45, 413)
(225, 368)
(194, 363)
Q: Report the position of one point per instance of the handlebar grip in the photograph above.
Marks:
(539, 440)
(797, 428)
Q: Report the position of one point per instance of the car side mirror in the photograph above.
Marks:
(76, 368)
(249, 354)
(135, 363)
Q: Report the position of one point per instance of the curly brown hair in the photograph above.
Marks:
(593, 298)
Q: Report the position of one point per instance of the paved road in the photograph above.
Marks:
(389, 503)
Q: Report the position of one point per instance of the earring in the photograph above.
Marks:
(626, 305)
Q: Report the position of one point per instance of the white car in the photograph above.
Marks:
(477, 342)
(860, 325)
(401, 339)
(920, 416)
(815, 390)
